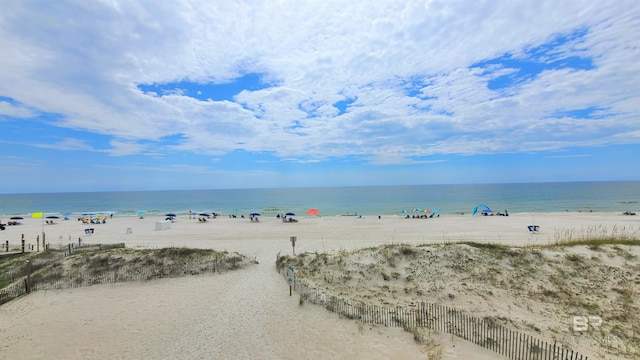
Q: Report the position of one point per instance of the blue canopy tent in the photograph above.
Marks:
(484, 209)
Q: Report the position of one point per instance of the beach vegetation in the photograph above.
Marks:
(574, 257)
(567, 277)
(109, 264)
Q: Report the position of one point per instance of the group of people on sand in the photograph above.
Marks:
(213, 215)
(422, 216)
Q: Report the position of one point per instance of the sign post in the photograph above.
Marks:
(293, 243)
(290, 278)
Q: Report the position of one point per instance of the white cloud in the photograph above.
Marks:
(15, 111)
(67, 144)
(85, 67)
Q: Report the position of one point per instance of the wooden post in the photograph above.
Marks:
(43, 242)
(28, 276)
(38, 243)
(22, 240)
(7, 246)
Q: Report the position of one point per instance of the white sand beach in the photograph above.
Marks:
(246, 313)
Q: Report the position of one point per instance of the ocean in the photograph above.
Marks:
(362, 200)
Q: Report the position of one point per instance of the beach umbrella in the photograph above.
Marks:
(483, 209)
(16, 218)
(255, 214)
(203, 214)
(313, 211)
(53, 217)
(141, 212)
(171, 215)
(290, 214)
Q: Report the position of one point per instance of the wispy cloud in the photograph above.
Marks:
(16, 111)
(567, 156)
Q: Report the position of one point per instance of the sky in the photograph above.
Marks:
(108, 95)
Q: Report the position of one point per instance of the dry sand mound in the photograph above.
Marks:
(534, 290)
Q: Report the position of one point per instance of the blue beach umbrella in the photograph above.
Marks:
(483, 209)
(171, 215)
(290, 214)
(16, 218)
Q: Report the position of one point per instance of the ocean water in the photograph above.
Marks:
(365, 200)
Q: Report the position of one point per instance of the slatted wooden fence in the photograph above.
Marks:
(484, 332)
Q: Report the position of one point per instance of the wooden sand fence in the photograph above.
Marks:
(22, 283)
(484, 332)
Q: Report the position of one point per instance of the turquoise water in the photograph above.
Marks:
(366, 200)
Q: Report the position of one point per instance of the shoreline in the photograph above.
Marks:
(510, 230)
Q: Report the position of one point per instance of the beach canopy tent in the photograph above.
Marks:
(484, 209)
(313, 211)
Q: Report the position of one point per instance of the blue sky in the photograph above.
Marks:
(135, 95)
